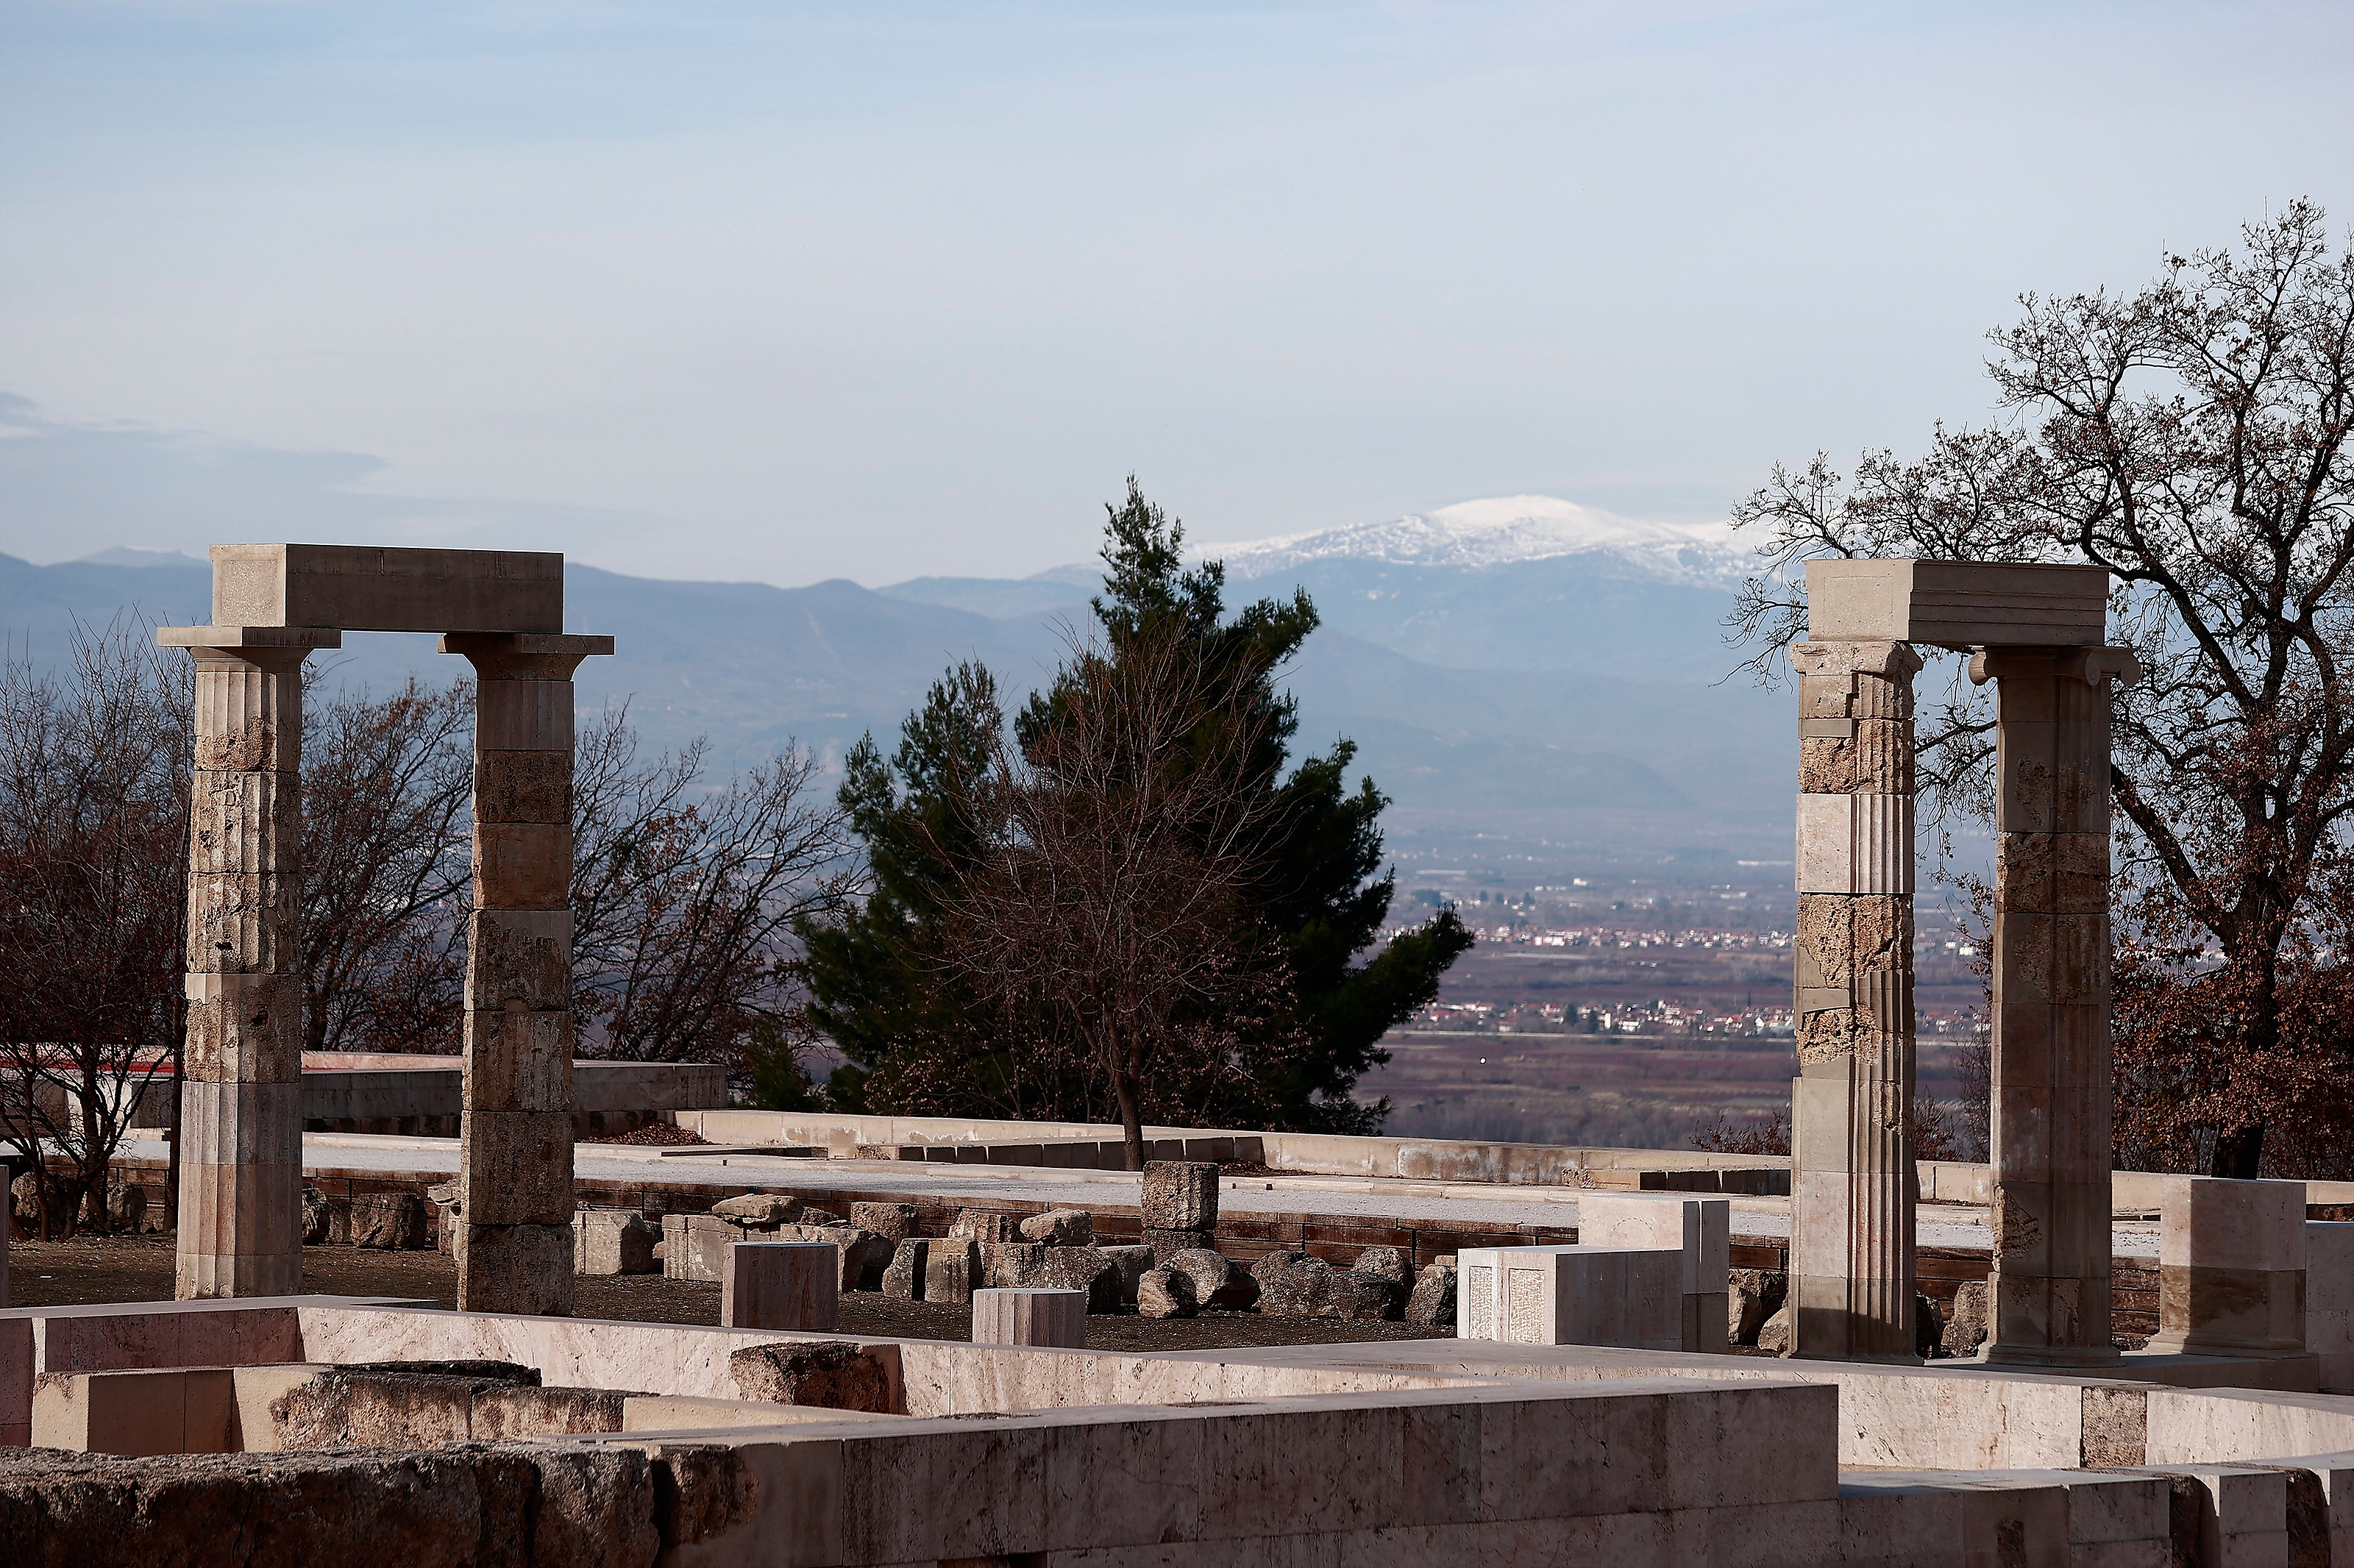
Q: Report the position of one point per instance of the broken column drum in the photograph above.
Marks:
(1852, 1184)
(2050, 1081)
(514, 1236)
(240, 1122)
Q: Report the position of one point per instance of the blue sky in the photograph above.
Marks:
(791, 292)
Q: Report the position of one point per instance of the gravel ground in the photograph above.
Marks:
(139, 1268)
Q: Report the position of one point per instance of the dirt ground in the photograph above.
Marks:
(139, 1268)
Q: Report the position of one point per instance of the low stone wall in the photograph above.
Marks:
(423, 1097)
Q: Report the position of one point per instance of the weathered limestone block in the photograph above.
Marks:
(1311, 1288)
(1165, 1293)
(824, 1372)
(1132, 1261)
(893, 1221)
(1088, 1269)
(243, 1028)
(521, 1061)
(452, 1509)
(517, 1411)
(782, 1285)
(1166, 1244)
(694, 1247)
(1268, 1265)
(952, 1270)
(530, 1266)
(1432, 1301)
(1056, 1318)
(1013, 1265)
(1965, 1326)
(1180, 1195)
(1060, 1227)
(760, 1210)
(1778, 1335)
(612, 1241)
(519, 957)
(988, 1226)
(903, 1280)
(515, 1168)
(1216, 1281)
(524, 786)
(1754, 1296)
(243, 924)
(358, 1407)
(326, 1221)
(389, 1222)
(1385, 1263)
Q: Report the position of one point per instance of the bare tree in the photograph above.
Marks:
(2192, 438)
(95, 778)
(684, 896)
(1117, 843)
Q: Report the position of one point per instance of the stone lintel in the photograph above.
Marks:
(367, 587)
(241, 638)
(1957, 604)
(470, 643)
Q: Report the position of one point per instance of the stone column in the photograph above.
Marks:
(1852, 1184)
(2048, 1294)
(240, 1126)
(515, 1183)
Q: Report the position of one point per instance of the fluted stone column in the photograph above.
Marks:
(2051, 1085)
(240, 1128)
(1852, 1185)
(514, 1217)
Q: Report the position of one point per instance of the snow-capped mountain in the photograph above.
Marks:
(1502, 530)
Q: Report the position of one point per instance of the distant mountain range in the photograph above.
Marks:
(1530, 680)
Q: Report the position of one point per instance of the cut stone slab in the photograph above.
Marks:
(1053, 1319)
(782, 1285)
(893, 1221)
(903, 1280)
(952, 1270)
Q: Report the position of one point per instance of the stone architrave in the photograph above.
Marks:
(516, 1203)
(1852, 1182)
(2049, 1120)
(240, 1124)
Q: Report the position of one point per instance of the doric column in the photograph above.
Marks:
(514, 1216)
(1853, 1186)
(2050, 1112)
(240, 1126)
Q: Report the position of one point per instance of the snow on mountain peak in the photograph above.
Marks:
(1503, 529)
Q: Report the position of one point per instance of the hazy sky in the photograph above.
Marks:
(875, 290)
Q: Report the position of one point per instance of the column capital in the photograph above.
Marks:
(253, 644)
(2096, 667)
(524, 655)
(1844, 656)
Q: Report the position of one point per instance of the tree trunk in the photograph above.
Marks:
(1131, 1119)
(2238, 1152)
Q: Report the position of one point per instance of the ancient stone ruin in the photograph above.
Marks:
(1576, 1355)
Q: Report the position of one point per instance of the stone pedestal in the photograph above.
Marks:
(2231, 1267)
(1699, 1228)
(2049, 1118)
(1852, 1185)
(782, 1285)
(1571, 1296)
(515, 1240)
(240, 1126)
(1055, 1319)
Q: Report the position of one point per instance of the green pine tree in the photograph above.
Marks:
(914, 1046)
